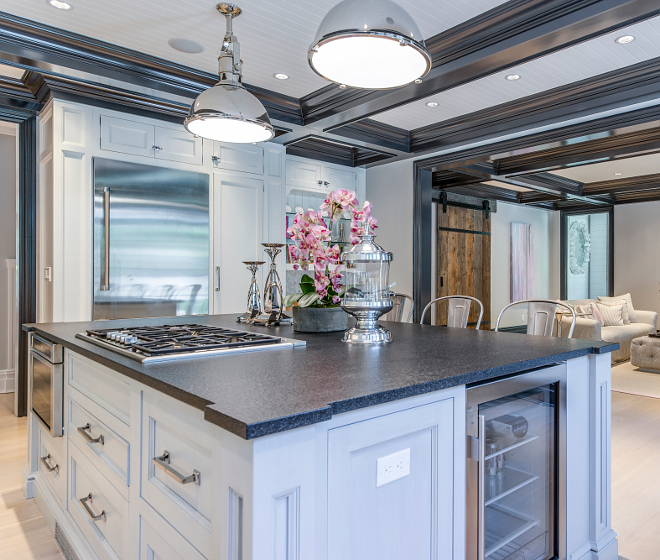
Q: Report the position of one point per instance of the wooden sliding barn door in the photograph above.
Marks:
(464, 260)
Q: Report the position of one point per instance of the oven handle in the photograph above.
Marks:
(163, 462)
(105, 282)
(481, 521)
(83, 431)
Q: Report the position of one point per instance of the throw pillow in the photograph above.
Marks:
(612, 315)
(596, 314)
(584, 311)
(631, 310)
(622, 302)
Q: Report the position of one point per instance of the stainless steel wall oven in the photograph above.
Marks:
(516, 467)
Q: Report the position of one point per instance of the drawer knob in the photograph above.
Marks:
(84, 432)
(156, 148)
(46, 461)
(163, 462)
(89, 511)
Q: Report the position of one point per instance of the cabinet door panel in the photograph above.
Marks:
(237, 237)
(340, 179)
(127, 137)
(239, 157)
(370, 517)
(307, 175)
(178, 145)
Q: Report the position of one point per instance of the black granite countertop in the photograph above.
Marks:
(259, 393)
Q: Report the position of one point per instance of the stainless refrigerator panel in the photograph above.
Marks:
(151, 241)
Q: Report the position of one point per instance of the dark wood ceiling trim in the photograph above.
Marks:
(14, 93)
(613, 88)
(481, 190)
(49, 50)
(642, 183)
(546, 183)
(580, 133)
(510, 34)
(331, 151)
(375, 132)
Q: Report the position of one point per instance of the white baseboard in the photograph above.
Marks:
(7, 381)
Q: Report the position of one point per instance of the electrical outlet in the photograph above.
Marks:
(392, 467)
(523, 316)
(48, 273)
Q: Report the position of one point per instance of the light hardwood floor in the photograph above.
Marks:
(23, 531)
(635, 484)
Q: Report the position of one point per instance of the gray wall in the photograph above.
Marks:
(7, 232)
(637, 253)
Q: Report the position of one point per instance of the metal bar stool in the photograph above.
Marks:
(459, 311)
(540, 316)
(399, 303)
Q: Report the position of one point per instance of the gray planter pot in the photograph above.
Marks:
(319, 319)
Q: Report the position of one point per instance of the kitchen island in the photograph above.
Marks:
(295, 453)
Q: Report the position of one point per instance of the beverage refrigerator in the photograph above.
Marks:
(516, 467)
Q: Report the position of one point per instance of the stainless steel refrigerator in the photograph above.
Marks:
(151, 241)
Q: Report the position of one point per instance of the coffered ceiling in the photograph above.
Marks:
(274, 34)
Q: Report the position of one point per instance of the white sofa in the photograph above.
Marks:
(590, 329)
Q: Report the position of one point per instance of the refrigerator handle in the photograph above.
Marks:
(217, 274)
(481, 542)
(105, 281)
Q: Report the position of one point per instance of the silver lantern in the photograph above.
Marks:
(367, 294)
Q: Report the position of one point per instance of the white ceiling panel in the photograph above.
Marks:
(274, 34)
(605, 171)
(572, 64)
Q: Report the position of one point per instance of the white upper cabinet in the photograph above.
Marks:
(127, 137)
(310, 176)
(177, 145)
(239, 157)
(143, 139)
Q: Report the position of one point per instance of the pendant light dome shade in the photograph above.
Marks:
(228, 112)
(370, 44)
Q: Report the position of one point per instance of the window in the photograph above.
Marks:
(586, 254)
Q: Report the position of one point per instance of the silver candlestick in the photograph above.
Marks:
(254, 297)
(273, 310)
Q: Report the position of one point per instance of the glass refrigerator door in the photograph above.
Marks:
(518, 482)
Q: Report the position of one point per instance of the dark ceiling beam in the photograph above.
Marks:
(643, 183)
(510, 34)
(620, 87)
(545, 183)
(375, 132)
(627, 145)
(48, 50)
(480, 190)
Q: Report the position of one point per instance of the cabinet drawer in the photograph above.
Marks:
(186, 506)
(96, 435)
(177, 145)
(106, 533)
(100, 384)
(164, 544)
(239, 157)
(52, 464)
(127, 137)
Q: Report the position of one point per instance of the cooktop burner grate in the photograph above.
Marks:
(159, 342)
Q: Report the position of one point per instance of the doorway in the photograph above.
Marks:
(463, 257)
(8, 246)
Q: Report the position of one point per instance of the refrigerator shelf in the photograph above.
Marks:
(519, 443)
(509, 481)
(503, 526)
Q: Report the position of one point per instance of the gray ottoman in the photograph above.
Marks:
(645, 353)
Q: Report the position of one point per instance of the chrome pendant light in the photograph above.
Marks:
(228, 112)
(370, 44)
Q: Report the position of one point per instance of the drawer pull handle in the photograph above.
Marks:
(46, 461)
(163, 462)
(84, 433)
(89, 511)
(156, 148)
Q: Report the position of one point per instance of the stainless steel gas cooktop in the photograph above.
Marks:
(171, 342)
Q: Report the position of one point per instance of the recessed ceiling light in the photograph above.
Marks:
(512, 77)
(625, 39)
(617, 174)
(280, 76)
(432, 104)
(60, 5)
(185, 45)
